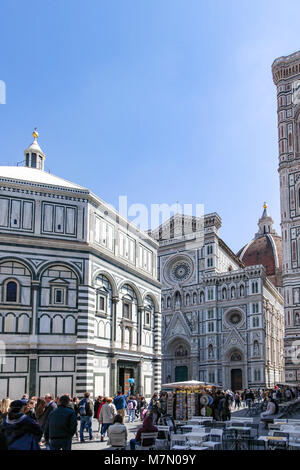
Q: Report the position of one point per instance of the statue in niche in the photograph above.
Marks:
(256, 348)
(177, 300)
(297, 319)
(180, 352)
(194, 321)
(296, 296)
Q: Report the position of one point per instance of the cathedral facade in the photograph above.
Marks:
(286, 76)
(79, 295)
(222, 321)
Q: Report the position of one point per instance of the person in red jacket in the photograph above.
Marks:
(103, 401)
(147, 427)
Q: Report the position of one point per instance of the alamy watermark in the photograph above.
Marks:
(172, 220)
(2, 92)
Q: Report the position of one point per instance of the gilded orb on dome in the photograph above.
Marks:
(35, 133)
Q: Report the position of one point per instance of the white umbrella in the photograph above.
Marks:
(188, 383)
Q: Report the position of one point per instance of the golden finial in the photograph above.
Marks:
(265, 205)
(35, 133)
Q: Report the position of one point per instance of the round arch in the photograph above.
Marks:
(59, 263)
(136, 290)
(110, 278)
(26, 263)
(233, 350)
(154, 300)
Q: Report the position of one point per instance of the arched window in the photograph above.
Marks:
(57, 326)
(23, 324)
(45, 324)
(149, 318)
(11, 294)
(101, 329)
(103, 294)
(70, 327)
(127, 336)
(130, 302)
(177, 300)
(10, 323)
(224, 293)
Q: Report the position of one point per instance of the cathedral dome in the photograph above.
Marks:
(265, 249)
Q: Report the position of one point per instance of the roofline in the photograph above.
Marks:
(188, 216)
(231, 253)
(80, 192)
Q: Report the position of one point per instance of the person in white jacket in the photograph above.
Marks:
(117, 433)
(107, 415)
(271, 408)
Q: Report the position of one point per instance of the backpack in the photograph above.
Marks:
(82, 408)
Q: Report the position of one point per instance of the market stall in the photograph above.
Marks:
(190, 398)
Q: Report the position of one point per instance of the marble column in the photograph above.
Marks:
(140, 327)
(113, 375)
(115, 301)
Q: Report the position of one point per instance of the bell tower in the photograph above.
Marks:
(286, 76)
(34, 156)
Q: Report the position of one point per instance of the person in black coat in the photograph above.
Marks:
(97, 403)
(61, 425)
(21, 431)
(50, 406)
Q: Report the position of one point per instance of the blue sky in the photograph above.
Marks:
(159, 100)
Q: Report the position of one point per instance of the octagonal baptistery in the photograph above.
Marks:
(79, 294)
(265, 249)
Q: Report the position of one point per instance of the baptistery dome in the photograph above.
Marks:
(265, 249)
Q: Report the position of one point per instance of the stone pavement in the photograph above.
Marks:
(96, 444)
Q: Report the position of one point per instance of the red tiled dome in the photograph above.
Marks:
(265, 250)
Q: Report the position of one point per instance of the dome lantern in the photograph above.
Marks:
(34, 156)
(265, 223)
(265, 249)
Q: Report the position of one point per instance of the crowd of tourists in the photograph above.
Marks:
(51, 422)
(221, 403)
